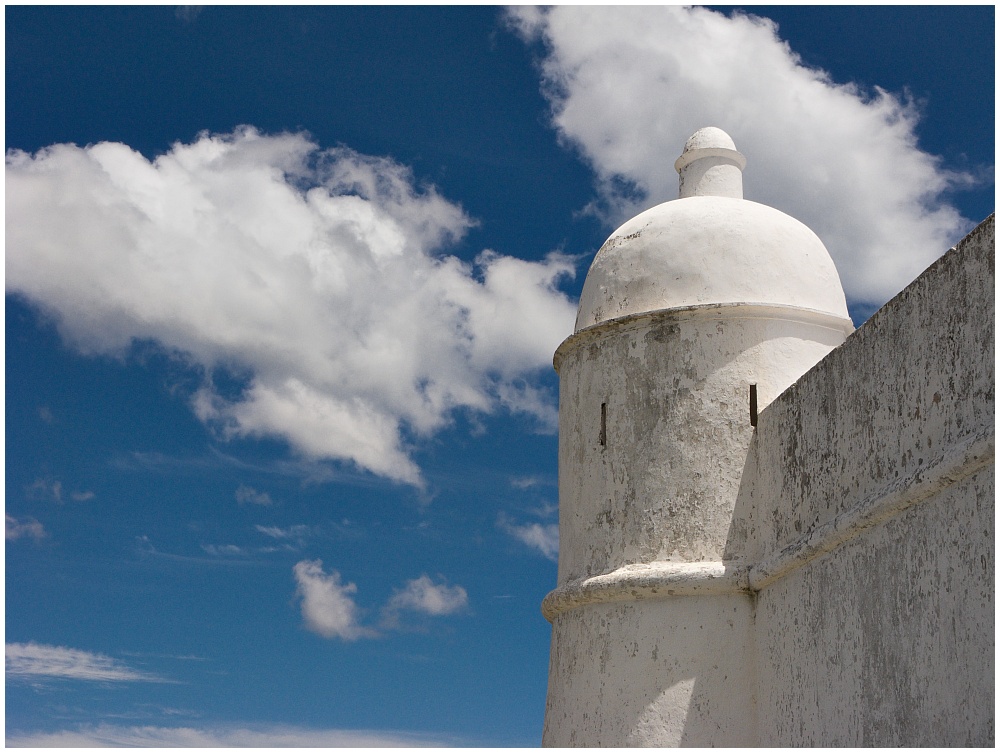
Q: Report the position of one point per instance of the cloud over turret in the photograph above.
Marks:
(628, 85)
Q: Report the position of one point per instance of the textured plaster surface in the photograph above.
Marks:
(913, 383)
(870, 478)
(712, 176)
(889, 639)
(649, 497)
(709, 249)
(657, 674)
(660, 482)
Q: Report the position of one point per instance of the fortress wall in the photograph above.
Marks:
(866, 517)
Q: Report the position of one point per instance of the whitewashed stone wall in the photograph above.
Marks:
(848, 597)
(885, 451)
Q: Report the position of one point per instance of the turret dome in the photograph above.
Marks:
(710, 246)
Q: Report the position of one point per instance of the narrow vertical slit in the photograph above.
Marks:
(604, 425)
(753, 404)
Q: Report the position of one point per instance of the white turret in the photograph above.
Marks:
(694, 314)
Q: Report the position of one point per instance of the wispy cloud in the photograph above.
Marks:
(223, 550)
(27, 527)
(188, 13)
(525, 482)
(160, 462)
(248, 495)
(842, 159)
(175, 657)
(235, 736)
(543, 538)
(45, 488)
(296, 532)
(219, 554)
(309, 471)
(290, 538)
(318, 273)
(34, 661)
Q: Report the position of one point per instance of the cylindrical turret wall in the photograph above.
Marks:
(655, 422)
(654, 425)
(692, 313)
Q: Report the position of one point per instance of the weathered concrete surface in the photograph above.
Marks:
(684, 308)
(649, 497)
(670, 672)
(887, 639)
(824, 580)
(915, 380)
(660, 482)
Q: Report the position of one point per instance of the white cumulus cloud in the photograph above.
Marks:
(316, 276)
(328, 606)
(629, 85)
(30, 661)
(425, 596)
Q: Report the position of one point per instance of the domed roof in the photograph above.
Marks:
(710, 246)
(708, 138)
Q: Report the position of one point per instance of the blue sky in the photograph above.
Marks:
(283, 287)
